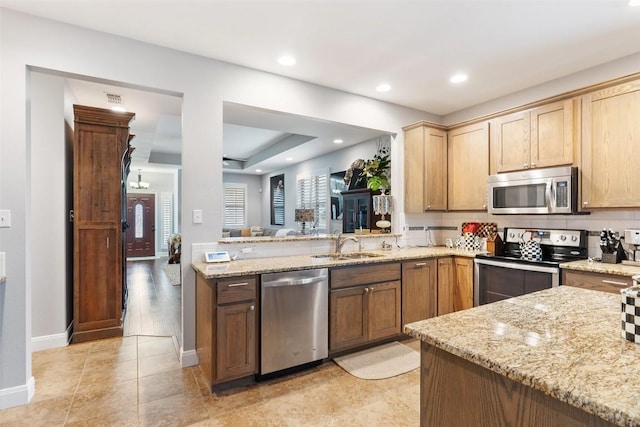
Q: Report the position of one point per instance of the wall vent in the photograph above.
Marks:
(415, 227)
(112, 98)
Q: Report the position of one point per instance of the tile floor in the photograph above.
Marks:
(137, 381)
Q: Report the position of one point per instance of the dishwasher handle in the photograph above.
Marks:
(294, 282)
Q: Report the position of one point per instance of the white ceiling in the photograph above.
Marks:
(415, 46)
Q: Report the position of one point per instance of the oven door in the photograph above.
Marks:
(495, 280)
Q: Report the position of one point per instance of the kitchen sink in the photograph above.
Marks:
(348, 255)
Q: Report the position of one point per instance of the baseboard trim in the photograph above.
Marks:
(46, 342)
(189, 358)
(16, 396)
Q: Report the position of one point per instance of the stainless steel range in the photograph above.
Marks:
(531, 262)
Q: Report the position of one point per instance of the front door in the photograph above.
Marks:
(141, 218)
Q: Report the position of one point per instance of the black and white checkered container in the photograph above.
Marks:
(630, 298)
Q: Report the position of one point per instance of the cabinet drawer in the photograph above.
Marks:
(236, 290)
(599, 282)
(364, 274)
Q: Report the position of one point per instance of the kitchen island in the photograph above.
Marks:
(554, 357)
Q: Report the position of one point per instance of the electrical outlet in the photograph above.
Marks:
(246, 250)
(5, 218)
(197, 216)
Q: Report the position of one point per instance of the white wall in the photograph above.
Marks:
(29, 42)
(254, 193)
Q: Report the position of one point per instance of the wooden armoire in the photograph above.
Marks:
(101, 157)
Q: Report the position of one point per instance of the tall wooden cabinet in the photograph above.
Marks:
(425, 169)
(468, 169)
(611, 147)
(101, 142)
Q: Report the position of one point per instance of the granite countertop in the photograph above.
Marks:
(564, 341)
(250, 266)
(601, 267)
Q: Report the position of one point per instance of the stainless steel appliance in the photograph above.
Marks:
(497, 277)
(294, 319)
(535, 191)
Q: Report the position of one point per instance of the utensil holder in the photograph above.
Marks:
(630, 298)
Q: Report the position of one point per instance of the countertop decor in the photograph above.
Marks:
(564, 342)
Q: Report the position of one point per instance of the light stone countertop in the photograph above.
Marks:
(564, 341)
(601, 267)
(243, 267)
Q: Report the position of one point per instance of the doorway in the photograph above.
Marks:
(141, 220)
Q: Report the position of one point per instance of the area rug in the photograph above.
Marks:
(384, 361)
(173, 273)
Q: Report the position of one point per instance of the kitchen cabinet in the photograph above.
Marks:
(611, 147)
(226, 327)
(358, 211)
(611, 283)
(455, 284)
(419, 290)
(101, 142)
(463, 288)
(364, 305)
(541, 137)
(468, 167)
(446, 285)
(425, 169)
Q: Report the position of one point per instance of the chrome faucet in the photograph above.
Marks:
(341, 240)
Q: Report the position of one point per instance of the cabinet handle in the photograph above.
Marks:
(585, 203)
(107, 243)
(366, 290)
(484, 206)
(420, 264)
(533, 165)
(234, 285)
(428, 206)
(611, 282)
(252, 307)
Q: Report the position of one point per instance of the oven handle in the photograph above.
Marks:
(518, 266)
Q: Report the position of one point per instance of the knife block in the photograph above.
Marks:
(614, 258)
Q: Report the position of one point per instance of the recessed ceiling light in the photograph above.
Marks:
(289, 159)
(383, 87)
(458, 78)
(338, 141)
(634, 2)
(287, 60)
(258, 170)
(119, 109)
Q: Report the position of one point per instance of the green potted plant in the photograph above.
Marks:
(376, 170)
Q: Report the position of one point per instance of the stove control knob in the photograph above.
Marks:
(574, 238)
(512, 235)
(563, 237)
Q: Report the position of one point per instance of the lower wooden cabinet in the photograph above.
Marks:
(419, 290)
(226, 327)
(366, 312)
(455, 284)
(611, 283)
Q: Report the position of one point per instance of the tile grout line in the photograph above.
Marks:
(75, 391)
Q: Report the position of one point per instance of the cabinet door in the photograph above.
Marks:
(97, 291)
(384, 310)
(552, 134)
(236, 340)
(511, 142)
(419, 290)
(446, 277)
(348, 318)
(463, 289)
(611, 147)
(468, 167)
(425, 169)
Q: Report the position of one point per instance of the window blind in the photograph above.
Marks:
(166, 212)
(235, 205)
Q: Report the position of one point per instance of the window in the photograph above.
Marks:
(235, 205)
(166, 206)
(138, 221)
(311, 193)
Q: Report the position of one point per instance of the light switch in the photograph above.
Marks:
(197, 216)
(5, 218)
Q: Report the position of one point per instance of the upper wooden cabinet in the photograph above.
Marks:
(541, 137)
(425, 169)
(468, 168)
(611, 147)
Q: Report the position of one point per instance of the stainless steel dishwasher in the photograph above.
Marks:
(294, 319)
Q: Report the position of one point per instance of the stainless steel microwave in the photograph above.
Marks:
(534, 191)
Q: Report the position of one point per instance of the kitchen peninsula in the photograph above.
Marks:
(554, 357)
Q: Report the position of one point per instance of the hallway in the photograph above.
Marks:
(154, 304)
